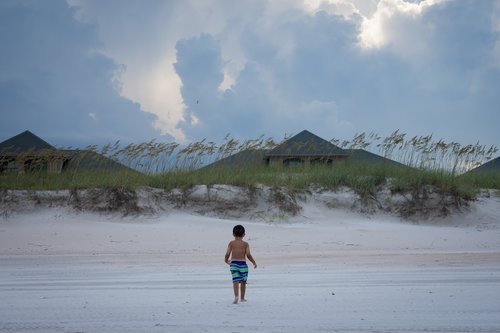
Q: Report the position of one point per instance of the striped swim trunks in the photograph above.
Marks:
(239, 271)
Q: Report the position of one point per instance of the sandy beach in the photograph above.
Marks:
(325, 270)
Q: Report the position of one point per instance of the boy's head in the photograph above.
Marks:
(238, 231)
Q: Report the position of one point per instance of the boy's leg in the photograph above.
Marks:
(236, 290)
(243, 287)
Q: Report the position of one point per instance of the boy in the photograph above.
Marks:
(239, 250)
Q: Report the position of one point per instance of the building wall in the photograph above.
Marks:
(23, 164)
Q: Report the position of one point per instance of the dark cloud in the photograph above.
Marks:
(309, 72)
(56, 83)
(437, 73)
(280, 93)
(200, 66)
(456, 84)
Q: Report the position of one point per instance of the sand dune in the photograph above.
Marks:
(326, 270)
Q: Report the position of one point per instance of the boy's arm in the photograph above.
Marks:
(228, 253)
(249, 256)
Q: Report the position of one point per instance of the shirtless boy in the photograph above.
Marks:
(239, 250)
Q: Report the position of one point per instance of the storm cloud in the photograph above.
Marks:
(55, 81)
(192, 70)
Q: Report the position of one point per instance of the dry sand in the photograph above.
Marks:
(326, 270)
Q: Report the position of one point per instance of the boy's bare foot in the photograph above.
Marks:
(243, 300)
(236, 301)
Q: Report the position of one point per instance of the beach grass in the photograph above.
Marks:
(422, 161)
(36, 181)
(364, 179)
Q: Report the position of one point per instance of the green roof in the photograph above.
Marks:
(306, 144)
(24, 142)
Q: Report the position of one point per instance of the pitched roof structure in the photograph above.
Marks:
(306, 144)
(364, 156)
(488, 167)
(92, 161)
(245, 158)
(23, 142)
(303, 145)
(27, 143)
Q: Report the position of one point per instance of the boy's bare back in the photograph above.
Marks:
(238, 248)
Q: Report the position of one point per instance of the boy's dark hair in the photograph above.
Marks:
(238, 231)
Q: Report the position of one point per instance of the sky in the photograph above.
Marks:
(79, 72)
